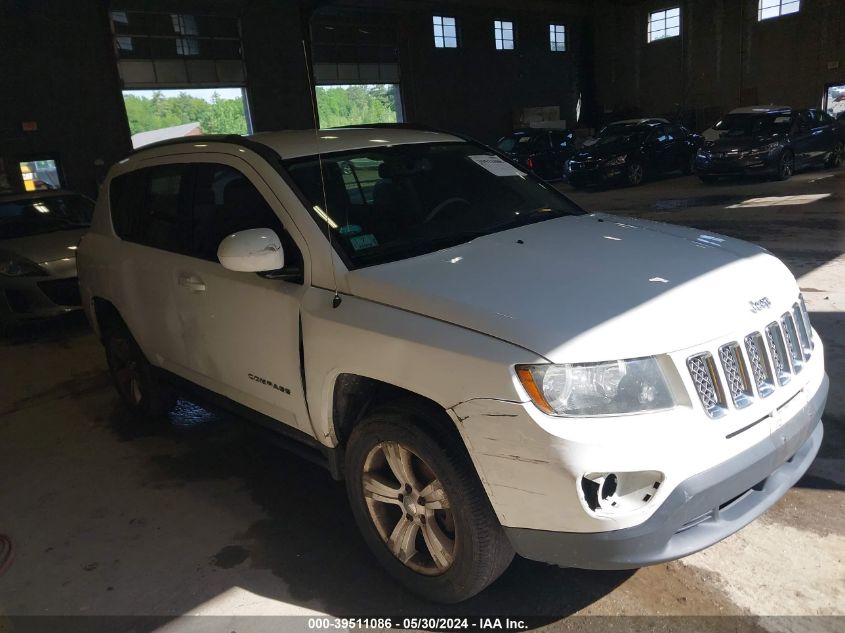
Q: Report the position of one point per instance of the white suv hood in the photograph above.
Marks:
(589, 288)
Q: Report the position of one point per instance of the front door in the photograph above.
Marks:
(241, 330)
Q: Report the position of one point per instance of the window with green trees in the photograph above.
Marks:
(358, 104)
(170, 112)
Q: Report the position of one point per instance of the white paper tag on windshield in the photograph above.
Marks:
(496, 165)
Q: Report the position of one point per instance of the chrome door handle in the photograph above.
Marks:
(191, 282)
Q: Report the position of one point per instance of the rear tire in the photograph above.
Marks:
(835, 159)
(447, 547)
(136, 381)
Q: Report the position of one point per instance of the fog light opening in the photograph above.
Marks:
(608, 489)
(619, 493)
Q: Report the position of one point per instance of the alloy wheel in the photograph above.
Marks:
(409, 508)
(787, 166)
(635, 173)
(836, 157)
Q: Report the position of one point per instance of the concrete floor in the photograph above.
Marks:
(199, 517)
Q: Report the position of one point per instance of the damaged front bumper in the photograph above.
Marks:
(535, 495)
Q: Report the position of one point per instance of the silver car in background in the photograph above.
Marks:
(39, 231)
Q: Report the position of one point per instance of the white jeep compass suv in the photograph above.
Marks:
(491, 369)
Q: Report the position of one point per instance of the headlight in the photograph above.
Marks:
(617, 160)
(759, 151)
(18, 268)
(609, 388)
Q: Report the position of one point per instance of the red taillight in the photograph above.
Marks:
(530, 163)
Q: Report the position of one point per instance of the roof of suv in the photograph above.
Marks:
(297, 143)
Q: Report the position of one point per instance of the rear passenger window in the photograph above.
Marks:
(225, 202)
(148, 207)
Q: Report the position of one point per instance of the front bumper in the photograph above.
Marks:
(735, 166)
(593, 173)
(29, 298)
(700, 511)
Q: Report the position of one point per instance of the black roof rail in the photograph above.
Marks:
(265, 151)
(184, 140)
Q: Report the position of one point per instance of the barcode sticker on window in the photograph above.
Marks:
(496, 165)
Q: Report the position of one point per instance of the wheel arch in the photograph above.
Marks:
(106, 317)
(355, 395)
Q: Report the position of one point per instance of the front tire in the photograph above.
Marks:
(634, 173)
(786, 165)
(141, 390)
(421, 508)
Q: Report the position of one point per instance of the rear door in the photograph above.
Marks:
(240, 330)
(150, 214)
(824, 134)
(805, 144)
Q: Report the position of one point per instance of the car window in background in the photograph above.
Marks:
(678, 132)
(523, 143)
(753, 124)
(561, 139)
(620, 134)
(426, 197)
(33, 216)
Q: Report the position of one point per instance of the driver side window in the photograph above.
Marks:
(226, 202)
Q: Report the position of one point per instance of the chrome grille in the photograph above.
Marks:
(736, 375)
(790, 334)
(803, 331)
(806, 318)
(760, 367)
(755, 366)
(703, 373)
(778, 351)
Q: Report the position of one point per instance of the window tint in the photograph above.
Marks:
(225, 202)
(148, 207)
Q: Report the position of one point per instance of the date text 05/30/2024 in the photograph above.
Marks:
(438, 624)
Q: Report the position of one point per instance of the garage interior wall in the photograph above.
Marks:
(59, 56)
(723, 58)
(58, 73)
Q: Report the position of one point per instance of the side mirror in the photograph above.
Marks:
(252, 251)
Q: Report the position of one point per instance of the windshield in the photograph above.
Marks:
(33, 216)
(753, 124)
(619, 134)
(388, 203)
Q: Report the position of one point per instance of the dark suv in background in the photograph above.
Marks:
(543, 151)
(768, 141)
(630, 151)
